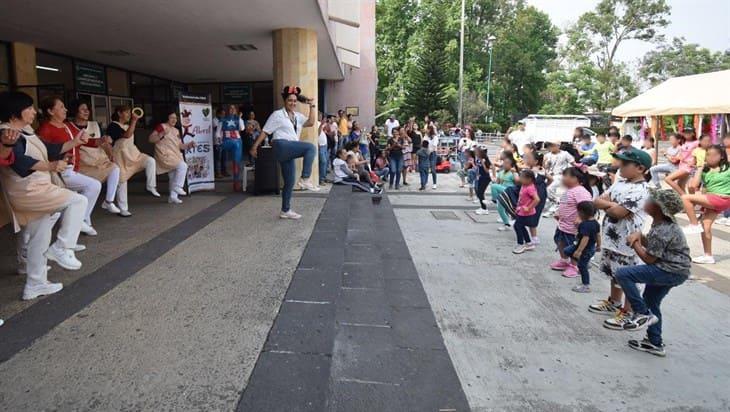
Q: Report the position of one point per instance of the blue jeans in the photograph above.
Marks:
(583, 262)
(286, 152)
(432, 159)
(423, 172)
(383, 173)
(658, 283)
(323, 162)
(588, 161)
(520, 226)
(396, 166)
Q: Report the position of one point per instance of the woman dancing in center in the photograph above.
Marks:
(285, 125)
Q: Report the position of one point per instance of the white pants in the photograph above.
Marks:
(112, 183)
(87, 186)
(177, 178)
(35, 237)
(150, 170)
(555, 189)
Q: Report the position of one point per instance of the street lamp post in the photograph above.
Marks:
(490, 41)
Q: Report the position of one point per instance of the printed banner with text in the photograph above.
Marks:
(196, 121)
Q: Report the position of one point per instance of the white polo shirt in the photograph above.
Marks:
(280, 126)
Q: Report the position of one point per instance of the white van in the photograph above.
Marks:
(544, 128)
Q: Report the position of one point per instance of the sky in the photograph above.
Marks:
(705, 22)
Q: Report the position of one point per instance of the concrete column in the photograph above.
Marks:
(23, 67)
(295, 64)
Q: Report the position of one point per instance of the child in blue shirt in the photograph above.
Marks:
(587, 241)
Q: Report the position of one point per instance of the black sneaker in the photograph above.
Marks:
(639, 321)
(645, 345)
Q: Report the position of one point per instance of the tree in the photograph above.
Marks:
(597, 36)
(395, 26)
(681, 59)
(427, 82)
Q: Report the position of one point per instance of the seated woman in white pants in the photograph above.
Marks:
(96, 154)
(126, 155)
(168, 154)
(32, 195)
(54, 130)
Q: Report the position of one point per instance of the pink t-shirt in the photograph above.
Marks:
(568, 209)
(686, 160)
(527, 195)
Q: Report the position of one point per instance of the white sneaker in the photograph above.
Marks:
(481, 211)
(504, 228)
(290, 215)
(535, 241)
(48, 288)
(111, 207)
(307, 184)
(78, 248)
(475, 201)
(174, 200)
(153, 191)
(64, 257)
(530, 246)
(434, 187)
(519, 249)
(125, 213)
(180, 191)
(704, 260)
(693, 229)
(87, 229)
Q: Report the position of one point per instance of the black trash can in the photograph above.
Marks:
(266, 174)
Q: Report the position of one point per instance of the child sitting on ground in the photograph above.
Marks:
(667, 264)
(526, 211)
(575, 183)
(344, 175)
(586, 243)
(424, 163)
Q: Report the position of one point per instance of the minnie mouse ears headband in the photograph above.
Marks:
(295, 90)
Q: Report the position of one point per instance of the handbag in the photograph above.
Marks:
(508, 200)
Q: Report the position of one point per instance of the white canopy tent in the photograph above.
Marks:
(707, 93)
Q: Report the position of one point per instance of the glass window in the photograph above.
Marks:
(141, 87)
(212, 89)
(117, 82)
(4, 64)
(54, 70)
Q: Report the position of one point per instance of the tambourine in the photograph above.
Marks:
(138, 112)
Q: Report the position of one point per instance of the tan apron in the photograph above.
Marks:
(29, 198)
(167, 150)
(126, 155)
(93, 161)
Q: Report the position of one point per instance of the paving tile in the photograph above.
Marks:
(303, 328)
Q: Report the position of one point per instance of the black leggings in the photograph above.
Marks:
(482, 184)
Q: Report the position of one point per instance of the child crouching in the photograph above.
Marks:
(665, 252)
(587, 241)
(526, 211)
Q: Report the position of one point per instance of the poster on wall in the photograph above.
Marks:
(196, 124)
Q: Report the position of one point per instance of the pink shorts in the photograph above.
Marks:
(719, 203)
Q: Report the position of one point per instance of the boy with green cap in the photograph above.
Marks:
(667, 264)
(623, 204)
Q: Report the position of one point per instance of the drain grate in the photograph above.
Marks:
(444, 215)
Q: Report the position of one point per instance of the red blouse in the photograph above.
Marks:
(58, 135)
(8, 160)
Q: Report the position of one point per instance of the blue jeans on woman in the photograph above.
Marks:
(323, 163)
(658, 283)
(396, 166)
(286, 152)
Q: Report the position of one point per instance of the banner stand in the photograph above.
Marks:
(196, 123)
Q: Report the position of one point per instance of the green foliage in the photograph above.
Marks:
(681, 59)
(427, 80)
(596, 37)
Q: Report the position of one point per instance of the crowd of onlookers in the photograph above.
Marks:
(616, 180)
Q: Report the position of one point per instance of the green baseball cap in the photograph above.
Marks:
(637, 156)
